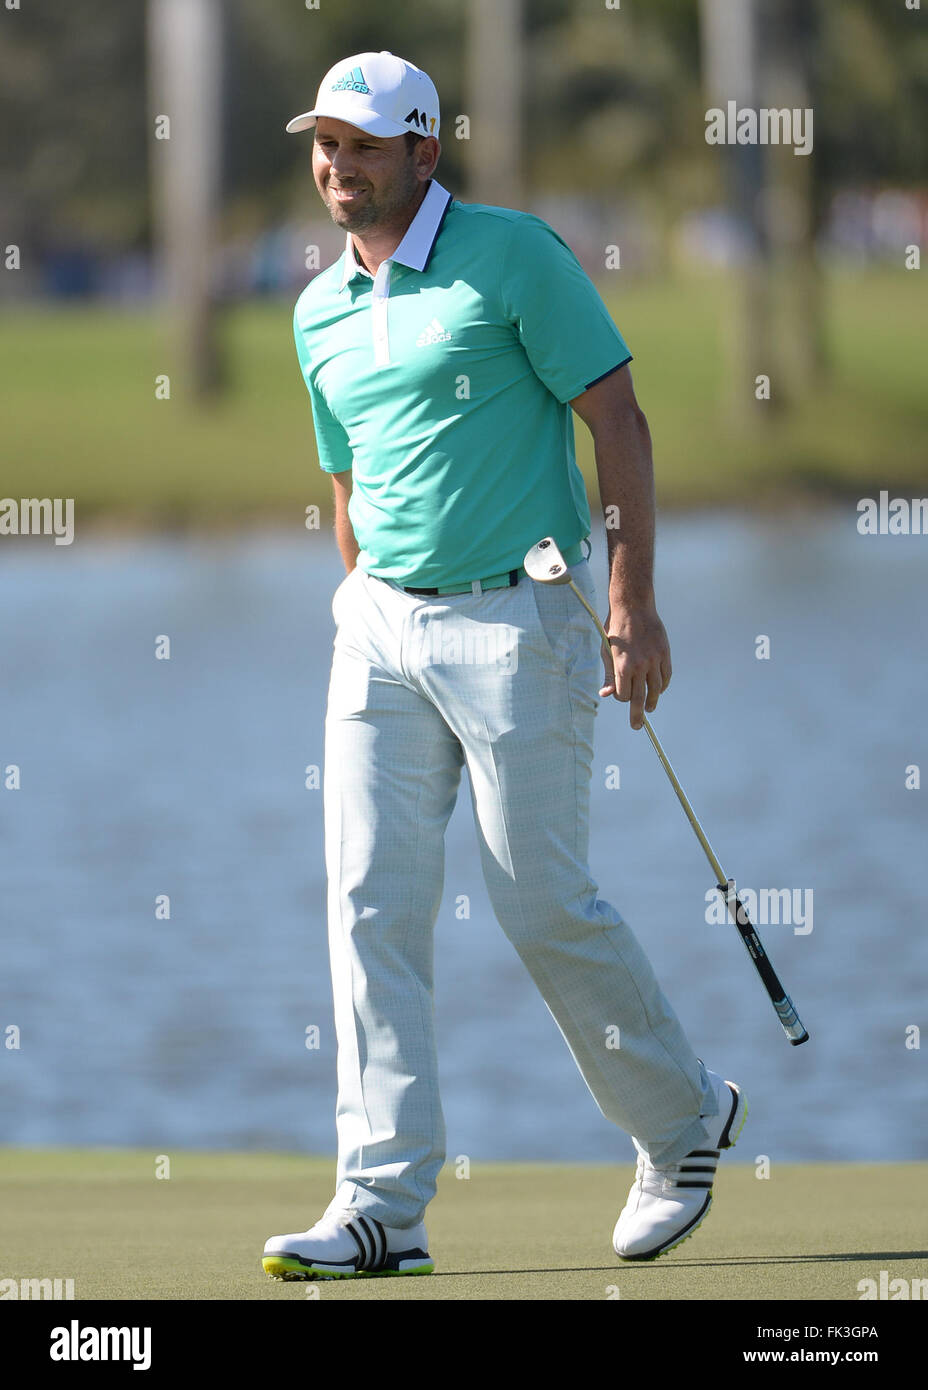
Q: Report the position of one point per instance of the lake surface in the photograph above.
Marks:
(186, 777)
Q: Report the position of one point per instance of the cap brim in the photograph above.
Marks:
(372, 123)
(304, 122)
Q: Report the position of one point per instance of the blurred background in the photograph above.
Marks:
(160, 820)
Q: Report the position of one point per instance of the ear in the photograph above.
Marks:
(428, 152)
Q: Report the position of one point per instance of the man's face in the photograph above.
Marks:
(364, 180)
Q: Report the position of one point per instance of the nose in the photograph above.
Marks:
(342, 164)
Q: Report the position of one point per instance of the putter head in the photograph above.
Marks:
(545, 564)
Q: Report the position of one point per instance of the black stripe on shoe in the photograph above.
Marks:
(686, 1174)
(370, 1245)
(724, 1141)
(399, 1257)
(359, 1242)
(381, 1231)
(377, 1237)
(310, 1263)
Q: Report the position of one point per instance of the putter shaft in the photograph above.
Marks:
(681, 794)
(783, 1005)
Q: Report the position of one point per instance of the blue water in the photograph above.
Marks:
(186, 777)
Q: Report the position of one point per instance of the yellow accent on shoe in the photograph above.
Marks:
(279, 1267)
(395, 1273)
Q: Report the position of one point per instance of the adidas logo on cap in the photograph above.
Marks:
(352, 81)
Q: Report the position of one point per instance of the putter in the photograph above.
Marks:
(545, 564)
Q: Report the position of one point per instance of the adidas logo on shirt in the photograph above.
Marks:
(434, 333)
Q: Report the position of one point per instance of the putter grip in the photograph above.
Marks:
(784, 1006)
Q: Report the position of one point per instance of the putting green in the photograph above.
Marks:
(509, 1231)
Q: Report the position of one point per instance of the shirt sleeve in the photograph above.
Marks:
(332, 444)
(555, 308)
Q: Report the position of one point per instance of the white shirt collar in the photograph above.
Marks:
(421, 234)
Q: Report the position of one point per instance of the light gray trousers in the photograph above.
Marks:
(507, 682)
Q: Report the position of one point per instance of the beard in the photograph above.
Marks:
(379, 210)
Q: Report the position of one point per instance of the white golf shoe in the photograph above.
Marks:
(348, 1245)
(666, 1204)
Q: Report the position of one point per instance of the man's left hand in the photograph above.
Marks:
(639, 671)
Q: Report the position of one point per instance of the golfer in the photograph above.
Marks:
(443, 353)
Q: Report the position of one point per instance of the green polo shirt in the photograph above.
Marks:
(443, 382)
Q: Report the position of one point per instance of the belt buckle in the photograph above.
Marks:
(511, 578)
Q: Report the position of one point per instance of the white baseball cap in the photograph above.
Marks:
(376, 92)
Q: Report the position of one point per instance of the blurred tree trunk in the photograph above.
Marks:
(184, 84)
(729, 34)
(794, 203)
(493, 154)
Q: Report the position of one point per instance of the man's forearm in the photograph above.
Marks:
(637, 665)
(624, 466)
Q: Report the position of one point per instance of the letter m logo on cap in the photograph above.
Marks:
(352, 81)
(419, 118)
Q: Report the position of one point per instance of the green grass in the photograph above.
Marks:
(866, 429)
(81, 419)
(509, 1231)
